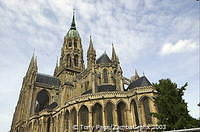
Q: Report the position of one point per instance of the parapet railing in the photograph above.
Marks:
(110, 94)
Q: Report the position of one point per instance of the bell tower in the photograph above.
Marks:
(71, 60)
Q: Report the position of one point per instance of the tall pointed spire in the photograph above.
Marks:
(114, 56)
(91, 54)
(56, 68)
(73, 25)
(33, 64)
(91, 47)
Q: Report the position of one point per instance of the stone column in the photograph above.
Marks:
(154, 110)
(103, 116)
(90, 120)
(77, 119)
(115, 118)
(129, 118)
(37, 126)
(93, 80)
(62, 122)
(43, 125)
(51, 125)
(141, 114)
(59, 121)
(70, 123)
(132, 115)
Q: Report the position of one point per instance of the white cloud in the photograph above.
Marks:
(179, 47)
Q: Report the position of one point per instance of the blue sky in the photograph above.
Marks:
(157, 37)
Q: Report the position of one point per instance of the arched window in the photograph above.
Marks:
(69, 61)
(84, 115)
(86, 85)
(97, 115)
(114, 80)
(42, 100)
(105, 76)
(109, 113)
(66, 120)
(70, 43)
(135, 112)
(121, 113)
(75, 44)
(99, 78)
(147, 112)
(73, 118)
(76, 60)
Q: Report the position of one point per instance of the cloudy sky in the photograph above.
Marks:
(157, 37)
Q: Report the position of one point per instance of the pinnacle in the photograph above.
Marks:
(114, 56)
(91, 48)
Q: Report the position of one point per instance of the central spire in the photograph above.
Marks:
(73, 25)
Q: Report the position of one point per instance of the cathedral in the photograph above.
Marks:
(79, 97)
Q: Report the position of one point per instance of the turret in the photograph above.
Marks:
(91, 55)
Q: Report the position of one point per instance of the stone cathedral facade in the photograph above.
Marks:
(81, 97)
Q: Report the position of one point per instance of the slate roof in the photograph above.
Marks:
(102, 88)
(47, 79)
(52, 105)
(87, 92)
(103, 59)
(140, 82)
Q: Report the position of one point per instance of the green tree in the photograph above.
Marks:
(172, 108)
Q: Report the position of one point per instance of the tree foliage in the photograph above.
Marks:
(172, 108)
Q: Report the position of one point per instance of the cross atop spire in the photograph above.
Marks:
(73, 25)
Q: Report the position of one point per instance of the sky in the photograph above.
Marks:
(159, 38)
